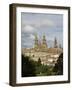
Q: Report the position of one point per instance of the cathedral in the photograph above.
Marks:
(40, 45)
(40, 50)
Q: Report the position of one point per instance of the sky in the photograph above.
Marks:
(50, 25)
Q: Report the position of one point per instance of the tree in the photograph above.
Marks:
(39, 61)
(58, 69)
(28, 66)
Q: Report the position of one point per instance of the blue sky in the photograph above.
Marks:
(39, 23)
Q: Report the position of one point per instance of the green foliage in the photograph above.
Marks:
(58, 69)
(28, 67)
(39, 61)
(35, 68)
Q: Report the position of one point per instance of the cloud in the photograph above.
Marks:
(49, 24)
(32, 36)
(27, 44)
(27, 39)
(44, 23)
(27, 28)
(37, 23)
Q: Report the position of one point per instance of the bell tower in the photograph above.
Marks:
(36, 41)
(55, 43)
(44, 43)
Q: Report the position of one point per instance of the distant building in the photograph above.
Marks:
(48, 56)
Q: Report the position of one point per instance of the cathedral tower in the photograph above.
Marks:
(44, 43)
(36, 41)
(55, 43)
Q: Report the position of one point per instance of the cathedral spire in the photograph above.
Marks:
(36, 41)
(44, 43)
(55, 43)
